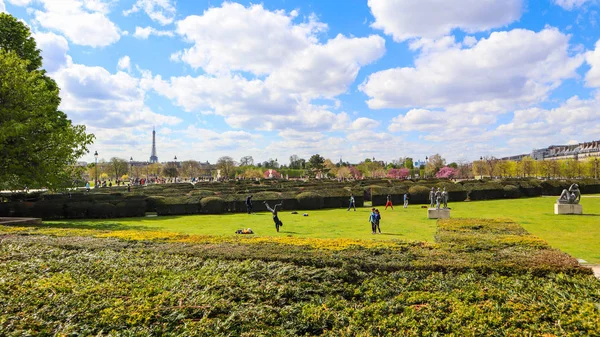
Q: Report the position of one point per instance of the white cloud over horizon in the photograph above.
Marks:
(407, 19)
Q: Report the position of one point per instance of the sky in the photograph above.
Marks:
(346, 79)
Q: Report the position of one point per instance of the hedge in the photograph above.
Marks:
(176, 206)
(310, 200)
(419, 194)
(212, 205)
(512, 191)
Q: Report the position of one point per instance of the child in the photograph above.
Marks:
(377, 219)
(373, 221)
(405, 200)
(351, 205)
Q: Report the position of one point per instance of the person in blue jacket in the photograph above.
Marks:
(373, 220)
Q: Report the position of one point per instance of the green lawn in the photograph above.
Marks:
(576, 235)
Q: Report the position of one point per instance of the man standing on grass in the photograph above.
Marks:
(389, 203)
(352, 205)
(405, 200)
(249, 204)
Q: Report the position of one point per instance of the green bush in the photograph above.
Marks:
(511, 191)
(202, 193)
(419, 194)
(102, 210)
(310, 200)
(77, 210)
(48, 210)
(212, 205)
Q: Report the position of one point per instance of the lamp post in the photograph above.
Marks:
(596, 168)
(425, 170)
(96, 169)
(481, 167)
(130, 167)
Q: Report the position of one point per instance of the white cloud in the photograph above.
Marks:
(124, 63)
(292, 69)
(363, 123)
(54, 50)
(2, 7)
(570, 4)
(253, 39)
(504, 71)
(82, 22)
(406, 19)
(161, 11)
(144, 33)
(592, 78)
(20, 3)
(537, 127)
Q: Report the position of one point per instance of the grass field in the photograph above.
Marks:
(576, 235)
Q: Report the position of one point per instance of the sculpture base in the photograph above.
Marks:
(442, 213)
(568, 209)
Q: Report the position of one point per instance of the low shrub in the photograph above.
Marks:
(77, 210)
(419, 194)
(212, 205)
(512, 191)
(102, 210)
(310, 200)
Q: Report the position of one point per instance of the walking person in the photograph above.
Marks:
(405, 200)
(373, 221)
(389, 202)
(352, 203)
(377, 219)
(273, 210)
(249, 204)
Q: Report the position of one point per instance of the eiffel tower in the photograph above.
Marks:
(153, 156)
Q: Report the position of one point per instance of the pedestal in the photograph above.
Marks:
(442, 213)
(568, 209)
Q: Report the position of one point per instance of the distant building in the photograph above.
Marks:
(581, 151)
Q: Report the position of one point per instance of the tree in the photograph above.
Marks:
(316, 163)
(39, 146)
(296, 162)
(15, 36)
(434, 164)
(226, 165)
(343, 173)
(400, 173)
(246, 161)
(118, 167)
(446, 172)
(253, 173)
(170, 170)
(190, 168)
(408, 163)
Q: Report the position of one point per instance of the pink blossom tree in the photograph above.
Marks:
(355, 173)
(446, 173)
(272, 174)
(400, 173)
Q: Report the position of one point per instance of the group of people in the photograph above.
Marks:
(388, 202)
(374, 219)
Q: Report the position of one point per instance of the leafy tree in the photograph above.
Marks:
(170, 170)
(343, 173)
(316, 163)
(408, 163)
(226, 165)
(434, 164)
(190, 168)
(15, 36)
(253, 173)
(39, 146)
(246, 161)
(118, 166)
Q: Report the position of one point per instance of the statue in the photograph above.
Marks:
(431, 197)
(445, 198)
(438, 198)
(570, 196)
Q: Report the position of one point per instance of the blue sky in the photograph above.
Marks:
(346, 79)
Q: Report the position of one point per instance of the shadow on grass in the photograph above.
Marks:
(102, 225)
(391, 234)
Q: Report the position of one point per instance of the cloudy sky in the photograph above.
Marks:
(342, 78)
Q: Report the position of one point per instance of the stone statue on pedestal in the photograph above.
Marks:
(570, 196)
(445, 198)
(432, 197)
(438, 198)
